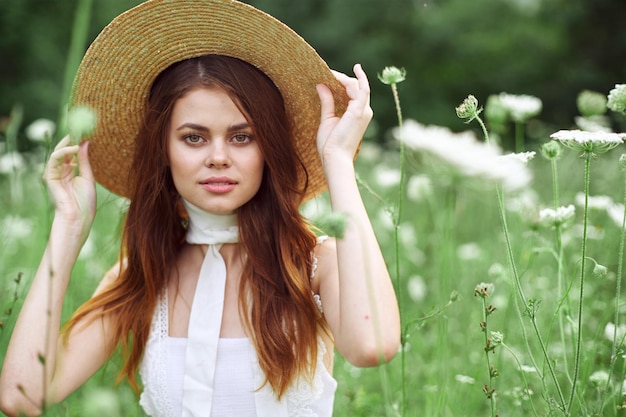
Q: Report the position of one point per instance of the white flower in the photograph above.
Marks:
(562, 215)
(484, 289)
(387, 177)
(616, 213)
(11, 162)
(599, 378)
(407, 235)
(464, 379)
(595, 124)
(528, 369)
(617, 99)
(610, 329)
(522, 157)
(40, 130)
(589, 142)
(496, 270)
(465, 154)
(598, 202)
(370, 152)
(524, 203)
(15, 228)
(417, 288)
(521, 107)
(496, 338)
(468, 251)
(418, 187)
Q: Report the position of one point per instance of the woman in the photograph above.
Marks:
(223, 298)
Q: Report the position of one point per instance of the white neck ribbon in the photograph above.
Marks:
(207, 308)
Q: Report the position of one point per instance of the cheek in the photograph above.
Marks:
(177, 165)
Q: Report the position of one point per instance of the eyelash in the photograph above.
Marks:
(247, 136)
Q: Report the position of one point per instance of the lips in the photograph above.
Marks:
(219, 185)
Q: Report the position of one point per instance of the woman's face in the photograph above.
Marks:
(215, 160)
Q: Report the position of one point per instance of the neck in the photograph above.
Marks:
(210, 228)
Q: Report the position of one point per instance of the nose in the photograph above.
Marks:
(218, 156)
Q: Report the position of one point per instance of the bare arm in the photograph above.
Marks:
(359, 300)
(35, 371)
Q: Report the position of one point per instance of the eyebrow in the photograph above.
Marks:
(201, 128)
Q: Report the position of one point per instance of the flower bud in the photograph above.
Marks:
(468, 109)
(392, 75)
(81, 121)
(591, 103)
(600, 271)
(495, 112)
(551, 150)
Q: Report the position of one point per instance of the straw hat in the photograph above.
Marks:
(120, 66)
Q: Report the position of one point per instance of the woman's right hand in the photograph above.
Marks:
(71, 185)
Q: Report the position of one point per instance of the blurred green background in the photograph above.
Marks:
(551, 49)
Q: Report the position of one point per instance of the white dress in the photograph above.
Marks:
(237, 377)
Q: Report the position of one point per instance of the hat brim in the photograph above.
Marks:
(118, 69)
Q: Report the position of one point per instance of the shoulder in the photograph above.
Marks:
(324, 261)
(110, 276)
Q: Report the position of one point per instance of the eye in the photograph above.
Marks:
(241, 138)
(193, 139)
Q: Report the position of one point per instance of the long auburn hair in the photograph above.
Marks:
(275, 298)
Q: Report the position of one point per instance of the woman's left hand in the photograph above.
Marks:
(342, 135)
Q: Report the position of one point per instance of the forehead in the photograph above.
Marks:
(212, 100)
(207, 103)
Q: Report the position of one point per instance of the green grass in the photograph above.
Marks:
(444, 345)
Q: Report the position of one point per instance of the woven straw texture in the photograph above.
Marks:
(119, 67)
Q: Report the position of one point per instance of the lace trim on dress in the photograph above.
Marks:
(154, 398)
(318, 300)
(301, 395)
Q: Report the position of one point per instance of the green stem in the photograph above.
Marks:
(80, 30)
(484, 128)
(491, 388)
(396, 228)
(520, 291)
(582, 287)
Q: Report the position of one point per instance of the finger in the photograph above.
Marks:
(339, 74)
(327, 102)
(58, 159)
(363, 82)
(63, 142)
(83, 161)
(361, 76)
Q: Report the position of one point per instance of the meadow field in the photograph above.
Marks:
(508, 269)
